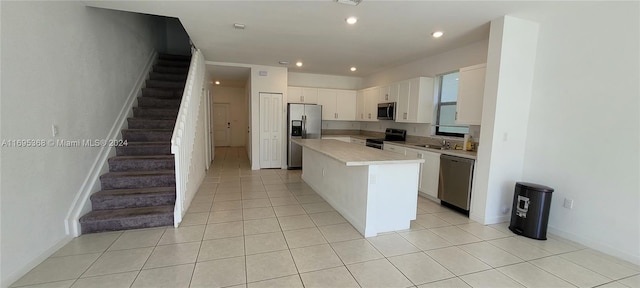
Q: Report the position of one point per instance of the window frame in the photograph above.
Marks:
(439, 106)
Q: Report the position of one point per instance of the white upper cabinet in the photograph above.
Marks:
(367, 102)
(337, 104)
(360, 103)
(302, 95)
(415, 100)
(389, 93)
(470, 94)
(346, 105)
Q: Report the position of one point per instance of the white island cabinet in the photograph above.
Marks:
(375, 190)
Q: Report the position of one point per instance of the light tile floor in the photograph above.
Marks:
(267, 228)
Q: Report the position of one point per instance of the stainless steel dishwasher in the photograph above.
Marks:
(454, 187)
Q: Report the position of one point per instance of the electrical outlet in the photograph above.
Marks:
(505, 209)
(568, 203)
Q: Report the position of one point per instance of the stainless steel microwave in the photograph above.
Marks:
(387, 111)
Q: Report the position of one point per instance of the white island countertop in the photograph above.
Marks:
(353, 154)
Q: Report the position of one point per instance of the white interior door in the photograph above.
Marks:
(270, 130)
(221, 124)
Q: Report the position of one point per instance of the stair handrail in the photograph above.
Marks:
(188, 177)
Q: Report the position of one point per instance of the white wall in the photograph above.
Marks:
(324, 81)
(583, 136)
(68, 65)
(507, 94)
(235, 97)
(176, 37)
(274, 82)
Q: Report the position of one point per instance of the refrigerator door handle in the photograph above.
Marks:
(304, 126)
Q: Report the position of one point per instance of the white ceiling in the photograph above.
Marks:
(388, 33)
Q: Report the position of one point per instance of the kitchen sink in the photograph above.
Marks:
(433, 146)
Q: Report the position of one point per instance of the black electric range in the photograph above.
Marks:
(390, 134)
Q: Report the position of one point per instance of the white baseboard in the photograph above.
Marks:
(91, 183)
(604, 248)
(16, 275)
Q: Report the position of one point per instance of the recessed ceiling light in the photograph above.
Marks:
(437, 34)
(349, 2)
(353, 69)
(239, 26)
(351, 20)
(217, 82)
(299, 64)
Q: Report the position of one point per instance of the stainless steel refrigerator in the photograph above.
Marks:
(304, 122)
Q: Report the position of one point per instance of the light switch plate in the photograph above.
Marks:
(568, 203)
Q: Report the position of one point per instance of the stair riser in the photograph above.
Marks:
(165, 84)
(141, 123)
(173, 63)
(174, 57)
(150, 102)
(122, 165)
(167, 77)
(126, 224)
(146, 136)
(145, 181)
(155, 113)
(171, 70)
(131, 201)
(162, 93)
(141, 150)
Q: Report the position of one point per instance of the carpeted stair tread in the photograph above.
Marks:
(137, 179)
(151, 123)
(144, 148)
(168, 77)
(144, 112)
(164, 84)
(144, 135)
(173, 63)
(153, 102)
(162, 93)
(136, 173)
(124, 219)
(174, 57)
(143, 162)
(171, 70)
(133, 198)
(135, 191)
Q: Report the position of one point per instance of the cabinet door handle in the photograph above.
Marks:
(301, 98)
(456, 117)
(335, 115)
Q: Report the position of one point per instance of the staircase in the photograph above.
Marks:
(140, 189)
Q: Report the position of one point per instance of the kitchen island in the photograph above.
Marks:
(375, 190)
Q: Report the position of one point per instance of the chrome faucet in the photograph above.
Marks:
(446, 144)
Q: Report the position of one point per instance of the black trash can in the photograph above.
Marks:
(530, 211)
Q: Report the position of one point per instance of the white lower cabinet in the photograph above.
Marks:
(429, 171)
(394, 148)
